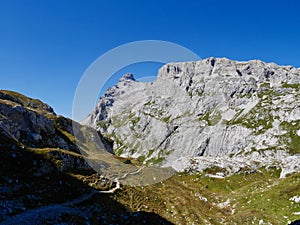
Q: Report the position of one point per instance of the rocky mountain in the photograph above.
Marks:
(44, 178)
(211, 113)
(207, 119)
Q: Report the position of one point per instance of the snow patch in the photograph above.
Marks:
(295, 199)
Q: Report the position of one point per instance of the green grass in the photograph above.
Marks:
(291, 138)
(268, 92)
(266, 85)
(154, 161)
(256, 196)
(141, 158)
(212, 118)
(294, 86)
(149, 103)
(166, 119)
(102, 124)
(259, 116)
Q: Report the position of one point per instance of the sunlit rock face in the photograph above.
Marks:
(213, 112)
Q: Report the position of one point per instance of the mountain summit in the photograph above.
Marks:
(211, 113)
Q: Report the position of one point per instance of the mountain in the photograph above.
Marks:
(45, 159)
(44, 178)
(211, 113)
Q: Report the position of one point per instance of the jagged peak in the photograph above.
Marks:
(226, 67)
(226, 60)
(127, 77)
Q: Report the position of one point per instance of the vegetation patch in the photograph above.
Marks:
(212, 118)
(259, 119)
(244, 198)
(102, 124)
(294, 86)
(291, 138)
(166, 119)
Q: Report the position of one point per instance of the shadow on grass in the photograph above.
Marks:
(34, 191)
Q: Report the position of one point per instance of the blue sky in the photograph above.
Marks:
(45, 46)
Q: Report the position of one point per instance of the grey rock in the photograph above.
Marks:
(217, 111)
(30, 125)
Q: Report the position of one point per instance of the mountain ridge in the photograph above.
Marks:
(247, 112)
(43, 183)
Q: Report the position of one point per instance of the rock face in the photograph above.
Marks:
(30, 123)
(33, 123)
(213, 112)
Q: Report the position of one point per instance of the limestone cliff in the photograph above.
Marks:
(213, 112)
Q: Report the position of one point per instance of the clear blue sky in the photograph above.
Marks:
(45, 46)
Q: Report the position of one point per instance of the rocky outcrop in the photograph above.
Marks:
(213, 112)
(25, 101)
(33, 123)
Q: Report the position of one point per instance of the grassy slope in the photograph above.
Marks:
(188, 199)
